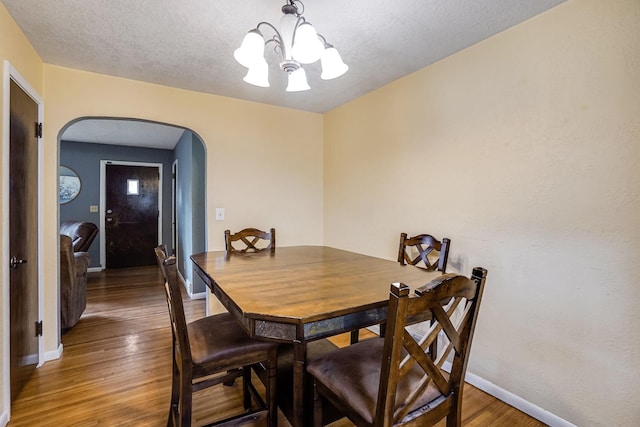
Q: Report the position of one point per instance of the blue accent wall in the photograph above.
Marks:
(191, 188)
(84, 159)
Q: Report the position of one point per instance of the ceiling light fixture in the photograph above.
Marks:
(295, 43)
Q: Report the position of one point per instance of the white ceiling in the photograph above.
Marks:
(189, 44)
(136, 133)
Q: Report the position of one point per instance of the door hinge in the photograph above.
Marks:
(39, 328)
(38, 130)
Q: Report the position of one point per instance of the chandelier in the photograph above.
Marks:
(296, 43)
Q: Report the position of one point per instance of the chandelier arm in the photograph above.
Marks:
(270, 26)
(300, 20)
(277, 48)
(276, 39)
(326, 43)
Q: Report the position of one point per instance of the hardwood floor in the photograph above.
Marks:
(115, 369)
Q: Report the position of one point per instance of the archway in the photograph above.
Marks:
(85, 142)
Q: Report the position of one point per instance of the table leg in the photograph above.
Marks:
(299, 358)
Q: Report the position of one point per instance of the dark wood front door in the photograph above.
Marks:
(23, 237)
(131, 215)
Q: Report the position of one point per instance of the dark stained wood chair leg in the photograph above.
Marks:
(175, 391)
(355, 336)
(317, 408)
(383, 329)
(184, 406)
(272, 397)
(246, 380)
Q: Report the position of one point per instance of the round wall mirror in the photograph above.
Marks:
(69, 184)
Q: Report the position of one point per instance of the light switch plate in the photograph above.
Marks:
(219, 214)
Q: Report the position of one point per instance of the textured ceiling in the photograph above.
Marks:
(123, 132)
(189, 44)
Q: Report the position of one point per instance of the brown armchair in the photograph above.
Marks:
(82, 234)
(73, 282)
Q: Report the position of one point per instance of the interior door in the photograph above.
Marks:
(23, 236)
(131, 215)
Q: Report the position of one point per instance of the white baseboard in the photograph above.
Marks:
(4, 419)
(53, 355)
(94, 269)
(199, 295)
(511, 399)
(188, 286)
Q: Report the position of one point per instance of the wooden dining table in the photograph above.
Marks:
(300, 294)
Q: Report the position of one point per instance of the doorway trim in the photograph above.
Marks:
(10, 73)
(103, 169)
(174, 207)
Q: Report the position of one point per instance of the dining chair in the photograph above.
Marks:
(393, 381)
(426, 245)
(432, 254)
(214, 350)
(254, 240)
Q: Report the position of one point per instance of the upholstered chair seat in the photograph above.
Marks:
(358, 367)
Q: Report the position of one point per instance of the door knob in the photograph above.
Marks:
(15, 262)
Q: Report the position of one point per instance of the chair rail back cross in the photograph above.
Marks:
(254, 240)
(393, 381)
(426, 245)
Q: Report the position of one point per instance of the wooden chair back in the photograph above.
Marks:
(426, 245)
(161, 255)
(182, 350)
(412, 385)
(250, 240)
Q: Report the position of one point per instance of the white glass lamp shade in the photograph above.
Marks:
(251, 50)
(307, 48)
(258, 74)
(298, 81)
(332, 65)
(287, 27)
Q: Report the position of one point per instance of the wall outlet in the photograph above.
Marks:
(219, 214)
(93, 208)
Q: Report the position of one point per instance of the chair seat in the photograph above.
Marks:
(220, 338)
(353, 375)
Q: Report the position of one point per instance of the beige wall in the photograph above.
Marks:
(525, 151)
(14, 48)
